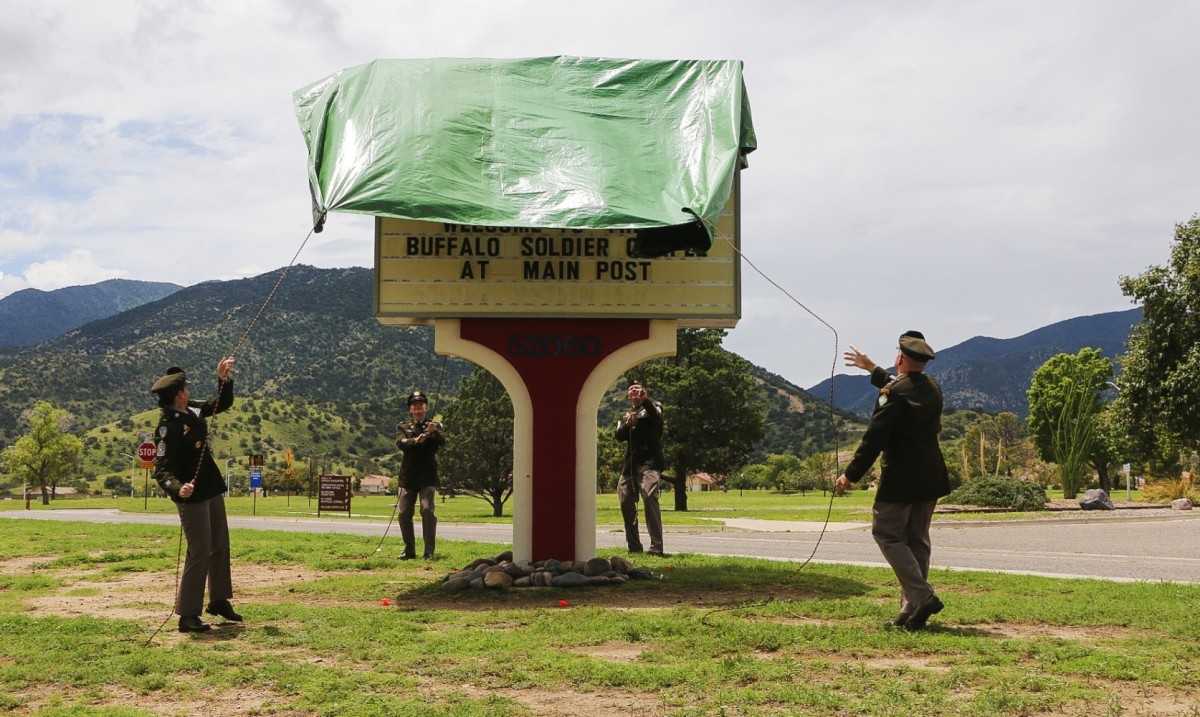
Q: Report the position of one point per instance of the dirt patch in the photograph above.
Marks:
(1021, 631)
(230, 701)
(611, 651)
(550, 703)
(147, 597)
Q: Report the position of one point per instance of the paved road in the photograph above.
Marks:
(1108, 546)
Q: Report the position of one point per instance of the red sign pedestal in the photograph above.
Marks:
(556, 371)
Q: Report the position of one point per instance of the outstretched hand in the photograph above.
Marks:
(224, 368)
(854, 357)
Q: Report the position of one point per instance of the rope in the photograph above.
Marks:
(220, 391)
(832, 422)
(396, 507)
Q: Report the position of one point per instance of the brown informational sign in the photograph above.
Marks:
(333, 493)
(429, 270)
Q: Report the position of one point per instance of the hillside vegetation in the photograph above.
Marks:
(317, 370)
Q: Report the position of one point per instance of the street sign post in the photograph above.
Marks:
(147, 452)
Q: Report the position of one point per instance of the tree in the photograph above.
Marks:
(783, 472)
(823, 468)
(1065, 408)
(478, 457)
(47, 453)
(713, 420)
(992, 445)
(1158, 405)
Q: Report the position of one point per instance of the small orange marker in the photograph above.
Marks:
(562, 603)
(385, 602)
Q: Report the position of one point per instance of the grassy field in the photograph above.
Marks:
(80, 604)
(703, 508)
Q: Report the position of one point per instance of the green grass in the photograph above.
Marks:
(713, 636)
(704, 508)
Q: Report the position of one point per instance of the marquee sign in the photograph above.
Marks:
(428, 270)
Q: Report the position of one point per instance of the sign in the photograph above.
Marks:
(254, 461)
(147, 452)
(333, 493)
(428, 270)
(255, 478)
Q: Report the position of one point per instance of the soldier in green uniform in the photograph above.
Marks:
(186, 471)
(419, 440)
(904, 427)
(641, 428)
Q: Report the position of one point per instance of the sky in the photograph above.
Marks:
(962, 168)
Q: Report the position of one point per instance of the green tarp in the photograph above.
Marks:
(565, 142)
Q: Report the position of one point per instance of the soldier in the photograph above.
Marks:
(420, 440)
(912, 476)
(185, 470)
(642, 429)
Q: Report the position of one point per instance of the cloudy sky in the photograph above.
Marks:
(965, 168)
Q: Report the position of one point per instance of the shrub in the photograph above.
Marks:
(1000, 492)
(1168, 489)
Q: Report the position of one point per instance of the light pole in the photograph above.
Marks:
(132, 472)
(1128, 487)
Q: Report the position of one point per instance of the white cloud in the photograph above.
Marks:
(76, 268)
(965, 168)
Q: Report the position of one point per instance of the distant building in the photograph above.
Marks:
(697, 482)
(374, 485)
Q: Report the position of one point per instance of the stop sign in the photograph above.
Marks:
(147, 452)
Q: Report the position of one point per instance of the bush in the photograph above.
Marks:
(1168, 489)
(1000, 492)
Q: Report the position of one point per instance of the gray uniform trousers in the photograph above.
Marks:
(407, 504)
(627, 495)
(207, 533)
(901, 530)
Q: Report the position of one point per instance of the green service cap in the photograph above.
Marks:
(912, 345)
(174, 379)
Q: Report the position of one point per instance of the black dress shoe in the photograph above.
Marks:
(193, 623)
(407, 556)
(899, 621)
(223, 609)
(932, 606)
(656, 553)
(427, 556)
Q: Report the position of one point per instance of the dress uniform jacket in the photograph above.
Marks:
(418, 468)
(904, 428)
(645, 439)
(182, 438)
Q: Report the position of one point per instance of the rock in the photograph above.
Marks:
(456, 584)
(477, 584)
(480, 562)
(640, 574)
(597, 580)
(499, 579)
(569, 580)
(553, 566)
(1182, 504)
(620, 564)
(521, 582)
(596, 566)
(505, 557)
(1096, 499)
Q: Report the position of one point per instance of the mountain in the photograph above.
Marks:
(31, 316)
(317, 341)
(316, 345)
(993, 374)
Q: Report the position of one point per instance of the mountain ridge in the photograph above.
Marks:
(30, 316)
(992, 374)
